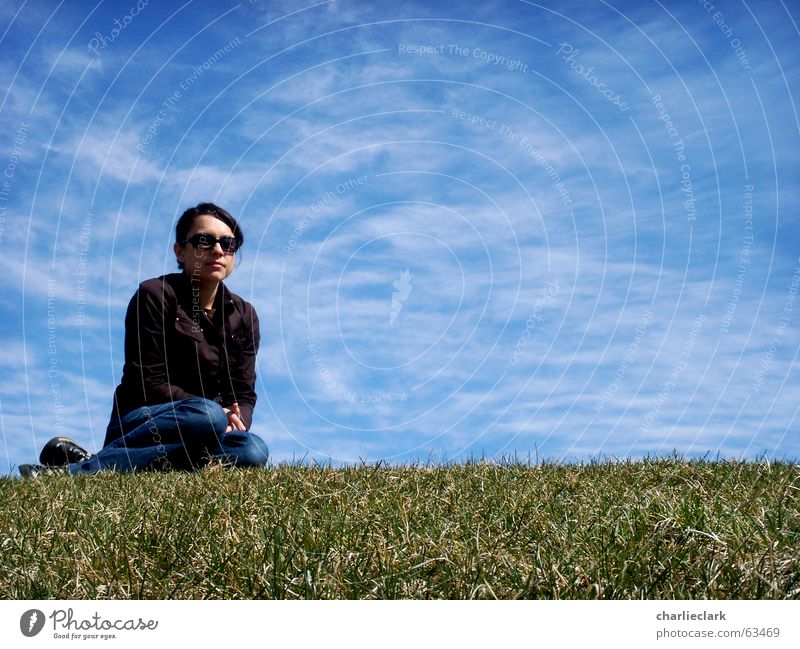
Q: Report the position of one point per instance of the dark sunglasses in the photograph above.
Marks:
(203, 241)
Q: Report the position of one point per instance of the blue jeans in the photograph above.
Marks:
(184, 435)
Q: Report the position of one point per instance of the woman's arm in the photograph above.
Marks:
(145, 345)
(242, 367)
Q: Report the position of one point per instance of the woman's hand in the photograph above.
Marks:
(234, 418)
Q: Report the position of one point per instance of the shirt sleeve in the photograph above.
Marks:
(243, 372)
(145, 339)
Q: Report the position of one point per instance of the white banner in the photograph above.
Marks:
(399, 623)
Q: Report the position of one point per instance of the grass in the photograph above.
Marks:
(626, 530)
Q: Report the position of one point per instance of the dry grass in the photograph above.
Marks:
(651, 529)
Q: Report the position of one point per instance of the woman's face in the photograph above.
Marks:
(213, 264)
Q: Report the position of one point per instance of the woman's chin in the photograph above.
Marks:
(210, 274)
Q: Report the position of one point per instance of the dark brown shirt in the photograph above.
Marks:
(174, 350)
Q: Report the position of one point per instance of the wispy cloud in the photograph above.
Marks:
(581, 279)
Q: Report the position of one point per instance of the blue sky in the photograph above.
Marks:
(567, 230)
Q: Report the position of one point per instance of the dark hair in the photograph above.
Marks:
(187, 219)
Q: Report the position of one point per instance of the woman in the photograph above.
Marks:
(188, 385)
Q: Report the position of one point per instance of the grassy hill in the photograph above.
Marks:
(646, 529)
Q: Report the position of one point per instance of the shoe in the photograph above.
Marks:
(61, 451)
(35, 470)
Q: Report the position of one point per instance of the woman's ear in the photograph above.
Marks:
(179, 250)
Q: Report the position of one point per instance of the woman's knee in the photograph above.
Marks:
(250, 450)
(261, 450)
(204, 415)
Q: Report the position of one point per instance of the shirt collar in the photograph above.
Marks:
(222, 298)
